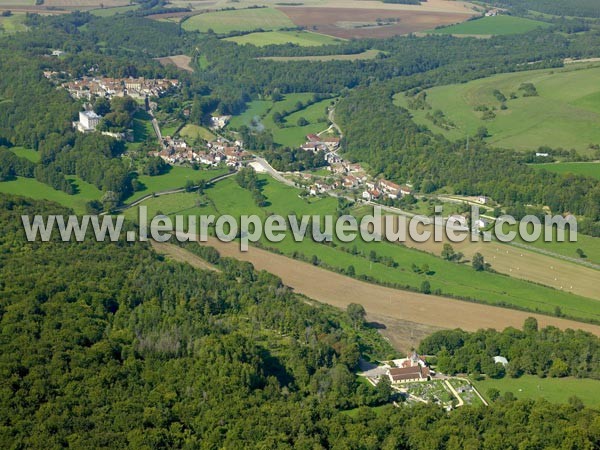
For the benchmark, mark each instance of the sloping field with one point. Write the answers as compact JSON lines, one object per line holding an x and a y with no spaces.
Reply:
{"x":349,"y":22}
{"x":492,"y":26}
{"x":591,"y":169}
{"x":180,"y":61}
{"x":13,"y":23}
{"x":564,"y":113}
{"x":301,"y":38}
{"x":238,"y":20}
{"x":340,"y":291}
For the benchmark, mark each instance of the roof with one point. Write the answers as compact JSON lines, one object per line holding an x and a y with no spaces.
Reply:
{"x":500,"y":359}
{"x":408,"y":373}
{"x":91,"y":115}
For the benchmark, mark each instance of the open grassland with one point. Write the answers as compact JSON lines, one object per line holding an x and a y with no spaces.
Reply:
{"x":292,"y":134}
{"x":492,"y":26}
{"x":450,"y":278}
{"x":259,"y":115}
{"x":301,"y":38}
{"x":192,"y":131}
{"x":177,"y":177}
{"x":27,"y":153}
{"x":591,"y":169}
{"x":13,"y":23}
{"x":238,"y":20}
{"x":255,"y":111}
{"x":29,"y":187}
{"x":565,"y":113}
{"x":556,"y":390}
{"x":367,"y":54}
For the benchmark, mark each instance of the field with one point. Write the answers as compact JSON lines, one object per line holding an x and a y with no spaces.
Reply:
{"x":564,"y":114}
{"x":180,"y":61}
{"x":177,"y":177}
{"x":530,"y":265}
{"x":142,"y":129}
{"x":260,"y":115}
{"x":556,"y":390}
{"x":586,"y":169}
{"x":84,"y":4}
{"x":492,"y":26}
{"x":450,"y":278}
{"x":29,"y":187}
{"x":254,"y":112}
{"x":367,"y":54}
{"x":27,"y":153}
{"x":301,"y":38}
{"x":348,"y":22}
{"x":238,"y":20}
{"x":13,"y":23}
{"x":191,"y":131}
{"x":339,"y":291}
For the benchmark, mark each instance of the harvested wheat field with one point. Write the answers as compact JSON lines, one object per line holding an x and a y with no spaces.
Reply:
{"x":338,"y":290}
{"x":351,"y":22}
{"x":180,"y":61}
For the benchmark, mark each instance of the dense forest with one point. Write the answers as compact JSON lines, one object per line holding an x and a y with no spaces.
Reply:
{"x":108,"y":345}
{"x":543,"y":352}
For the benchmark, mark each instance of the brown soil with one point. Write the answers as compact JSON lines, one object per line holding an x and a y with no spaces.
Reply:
{"x":338,"y":21}
{"x":180,"y":61}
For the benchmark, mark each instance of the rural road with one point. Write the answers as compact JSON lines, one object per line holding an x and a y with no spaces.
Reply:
{"x":338,"y":290}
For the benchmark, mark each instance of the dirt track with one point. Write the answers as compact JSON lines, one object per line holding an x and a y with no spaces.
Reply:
{"x":338,"y":290}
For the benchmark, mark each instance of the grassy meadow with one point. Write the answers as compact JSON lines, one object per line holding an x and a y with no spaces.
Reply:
{"x":556,"y":390}
{"x":238,"y":20}
{"x":301,"y":38}
{"x":491,"y":26}
{"x":27,"y":153}
{"x":565,"y":113}
{"x":12,"y":23}
{"x":32,"y":188}
{"x":191,"y":131}
{"x":177,"y":177}
{"x":591,"y":169}
{"x":260,"y":114}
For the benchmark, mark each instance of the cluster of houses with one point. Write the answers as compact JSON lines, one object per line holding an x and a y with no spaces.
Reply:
{"x":316,"y":143}
{"x":220,"y":151}
{"x":91,"y":87}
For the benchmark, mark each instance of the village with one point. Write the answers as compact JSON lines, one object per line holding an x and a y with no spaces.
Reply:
{"x":338,"y":177}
